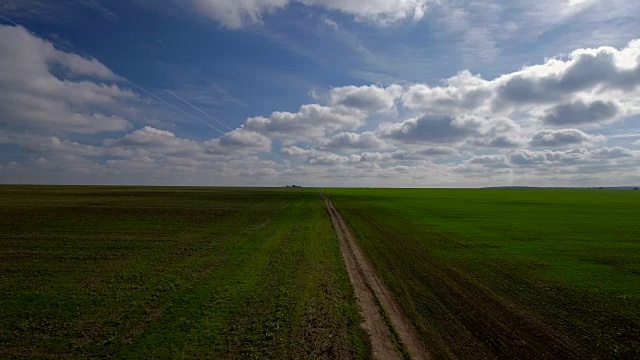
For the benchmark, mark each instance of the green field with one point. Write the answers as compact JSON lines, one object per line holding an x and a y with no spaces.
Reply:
{"x":139,"y":272}
{"x":172,"y":273}
{"x":508,"y":273}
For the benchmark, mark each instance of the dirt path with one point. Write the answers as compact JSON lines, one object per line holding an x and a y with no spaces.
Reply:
{"x":374,"y":299}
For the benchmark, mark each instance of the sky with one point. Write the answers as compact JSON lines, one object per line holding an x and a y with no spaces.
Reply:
{"x":382,"y":93}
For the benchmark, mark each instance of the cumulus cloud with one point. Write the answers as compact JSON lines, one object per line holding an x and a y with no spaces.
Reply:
{"x":348,"y":108}
{"x":579,"y":112}
{"x":323,"y":157}
{"x":371,"y":99}
{"x":327,"y":158}
{"x":239,"y":141}
{"x":488,"y":161}
{"x":153,"y":142}
{"x":528,"y":122}
{"x":55,"y":145}
{"x":527,"y":157}
{"x":604,"y":68}
{"x":235,"y":14}
{"x":501,"y":141}
{"x":437,"y":150}
{"x":333,"y":159}
{"x":614,"y":153}
{"x":564,"y":137}
{"x":579,"y":88}
{"x":298,"y":151}
{"x":460,"y":93}
{"x":432,"y":128}
{"x":570,"y":157}
{"x":33,"y":96}
{"x":449,"y":129}
{"x":349,"y":140}
{"x":311,"y":122}
{"x":149,"y":140}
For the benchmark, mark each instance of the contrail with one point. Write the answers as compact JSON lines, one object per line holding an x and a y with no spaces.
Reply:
{"x":195,"y":107}
{"x":44,"y":38}
{"x":211,"y":117}
{"x":219,"y":122}
{"x":175,"y":107}
{"x":216,"y":120}
{"x":9,"y":20}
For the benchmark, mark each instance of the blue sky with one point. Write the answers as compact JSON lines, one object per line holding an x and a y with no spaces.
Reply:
{"x":320,"y":92}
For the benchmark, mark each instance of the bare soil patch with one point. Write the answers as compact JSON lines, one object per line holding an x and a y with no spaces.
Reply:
{"x":382,"y":316}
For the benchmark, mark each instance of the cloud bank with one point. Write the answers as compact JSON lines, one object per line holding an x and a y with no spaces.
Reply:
{"x":546,"y":124}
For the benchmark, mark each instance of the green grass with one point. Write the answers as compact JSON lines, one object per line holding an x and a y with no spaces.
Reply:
{"x":508,"y":273}
{"x":129,"y":272}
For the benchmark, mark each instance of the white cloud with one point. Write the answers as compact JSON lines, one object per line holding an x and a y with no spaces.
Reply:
{"x":571,"y":156}
{"x":235,"y":14}
{"x":460,"y":93}
{"x":450,"y":129}
{"x":333,"y":159}
{"x":587,"y":86}
{"x":298,"y":151}
{"x":433,"y":129}
{"x":437,"y":151}
{"x":55,"y":145}
{"x":579,"y":112}
{"x":564,"y":137}
{"x":466,"y":115}
{"x":153,"y":141}
{"x":239,"y":141}
{"x":33,"y":96}
{"x":331,"y":24}
{"x":349,"y":140}
{"x":487,"y":161}
{"x":312,"y":122}
{"x":348,"y":108}
{"x":614,"y":153}
{"x":371,"y":99}
{"x":410,"y":135}
{"x":590,"y":71}
{"x":506,"y":140}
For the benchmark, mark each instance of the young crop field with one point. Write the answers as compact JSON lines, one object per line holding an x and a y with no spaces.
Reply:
{"x":139,"y":272}
{"x":507,"y":273}
{"x":127,"y":272}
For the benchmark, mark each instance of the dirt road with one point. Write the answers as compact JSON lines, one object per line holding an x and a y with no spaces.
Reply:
{"x":389,"y":329}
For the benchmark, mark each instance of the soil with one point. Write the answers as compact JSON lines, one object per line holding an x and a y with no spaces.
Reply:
{"x":383,"y":318}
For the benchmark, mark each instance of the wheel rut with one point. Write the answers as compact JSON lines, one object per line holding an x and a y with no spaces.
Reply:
{"x":389,"y":330}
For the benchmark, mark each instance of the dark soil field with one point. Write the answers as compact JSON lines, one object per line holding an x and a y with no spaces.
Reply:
{"x":507,"y":273}
{"x":96,"y":272}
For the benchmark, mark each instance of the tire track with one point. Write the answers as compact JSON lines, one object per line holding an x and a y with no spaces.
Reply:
{"x":376,"y":304}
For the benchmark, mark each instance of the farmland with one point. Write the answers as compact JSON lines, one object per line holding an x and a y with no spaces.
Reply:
{"x":152,"y":272}
{"x":132,"y":272}
{"x":507,"y":273}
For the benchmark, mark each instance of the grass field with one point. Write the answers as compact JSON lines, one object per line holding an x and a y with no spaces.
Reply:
{"x":508,"y":273}
{"x":172,"y":273}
